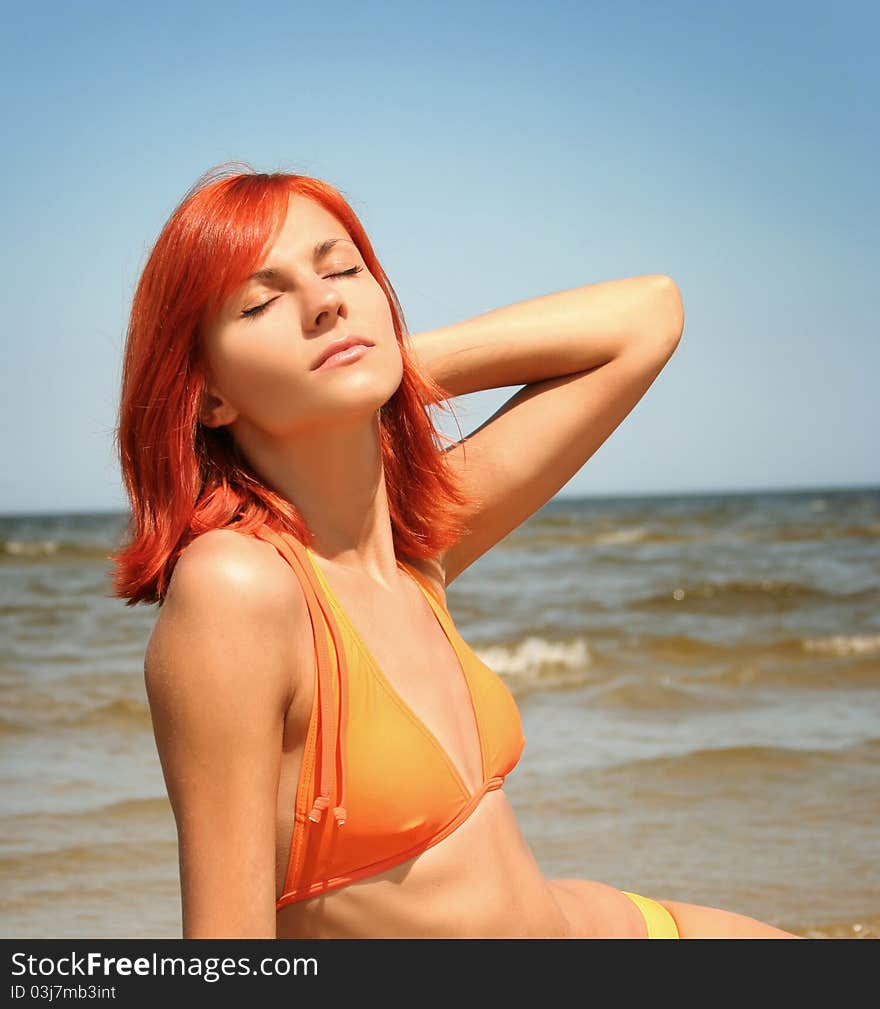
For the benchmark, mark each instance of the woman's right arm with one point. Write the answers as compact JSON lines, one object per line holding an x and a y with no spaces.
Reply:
{"x":219,"y":682}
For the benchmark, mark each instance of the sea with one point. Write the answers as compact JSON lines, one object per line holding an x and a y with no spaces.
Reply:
{"x":698,"y":677}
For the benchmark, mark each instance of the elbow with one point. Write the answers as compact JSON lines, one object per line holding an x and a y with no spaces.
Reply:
{"x":676,"y":311}
{"x":672,"y":311}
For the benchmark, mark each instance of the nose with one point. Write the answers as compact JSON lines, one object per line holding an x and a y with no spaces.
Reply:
{"x":322,"y":303}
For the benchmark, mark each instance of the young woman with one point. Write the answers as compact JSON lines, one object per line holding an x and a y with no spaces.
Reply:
{"x":334,"y":752}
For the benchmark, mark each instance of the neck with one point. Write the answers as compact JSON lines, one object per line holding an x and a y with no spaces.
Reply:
{"x":335,"y":478}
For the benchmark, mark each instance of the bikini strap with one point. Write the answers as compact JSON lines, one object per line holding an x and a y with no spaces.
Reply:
{"x":332,"y":721}
{"x":426,"y":584}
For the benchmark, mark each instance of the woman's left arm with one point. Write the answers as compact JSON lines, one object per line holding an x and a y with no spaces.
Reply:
{"x":586,"y":357}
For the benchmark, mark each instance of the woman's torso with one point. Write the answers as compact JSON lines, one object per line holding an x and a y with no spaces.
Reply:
{"x":482,"y":879}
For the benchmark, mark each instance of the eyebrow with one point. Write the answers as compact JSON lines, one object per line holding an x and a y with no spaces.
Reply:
{"x":319,"y":251}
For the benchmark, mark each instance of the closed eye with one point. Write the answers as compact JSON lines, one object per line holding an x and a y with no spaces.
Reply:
{"x":250,"y":313}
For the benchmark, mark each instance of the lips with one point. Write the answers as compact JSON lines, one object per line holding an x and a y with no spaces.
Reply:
{"x":341,"y":344}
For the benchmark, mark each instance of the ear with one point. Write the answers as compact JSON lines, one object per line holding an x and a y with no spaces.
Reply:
{"x":214,"y":411}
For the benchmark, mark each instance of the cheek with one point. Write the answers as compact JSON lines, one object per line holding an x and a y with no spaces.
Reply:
{"x":382,"y":325}
{"x":257,"y":371}
{"x":378,"y":308}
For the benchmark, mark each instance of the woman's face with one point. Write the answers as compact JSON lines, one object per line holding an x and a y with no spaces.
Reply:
{"x":263,"y":346}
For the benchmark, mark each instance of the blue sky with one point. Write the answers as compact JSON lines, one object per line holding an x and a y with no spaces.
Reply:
{"x":494,"y":152}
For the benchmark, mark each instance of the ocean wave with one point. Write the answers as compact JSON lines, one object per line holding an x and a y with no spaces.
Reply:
{"x":709,"y":763}
{"x":576,"y":536}
{"x":865,"y":928}
{"x":843,"y":644}
{"x":122,"y":810}
{"x":624,"y":537}
{"x":18,"y":550}
{"x":133,"y":809}
{"x":738,"y":595}
{"x":580,"y":538}
{"x":843,"y":674}
{"x":122,"y":713}
{"x":29,"y":548}
{"x":840,"y":660}
{"x":684,"y":647}
{"x":656,"y":694}
{"x":75,"y":858}
{"x":854,"y":531}
{"x":538,"y":664}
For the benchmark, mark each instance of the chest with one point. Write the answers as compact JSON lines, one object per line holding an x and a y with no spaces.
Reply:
{"x":405,"y":647}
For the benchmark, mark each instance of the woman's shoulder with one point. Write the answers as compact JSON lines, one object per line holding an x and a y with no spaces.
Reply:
{"x":226,"y":561}
{"x":237,"y":585}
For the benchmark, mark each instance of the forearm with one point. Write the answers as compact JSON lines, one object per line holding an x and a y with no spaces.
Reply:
{"x":551,"y":335}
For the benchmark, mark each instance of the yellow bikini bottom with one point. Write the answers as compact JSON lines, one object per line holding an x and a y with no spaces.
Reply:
{"x":661,"y":924}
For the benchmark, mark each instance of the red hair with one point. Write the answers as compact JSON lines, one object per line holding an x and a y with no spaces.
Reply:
{"x":183,"y":478}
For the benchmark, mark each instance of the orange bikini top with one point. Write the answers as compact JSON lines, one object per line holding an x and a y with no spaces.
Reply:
{"x":375,"y":786}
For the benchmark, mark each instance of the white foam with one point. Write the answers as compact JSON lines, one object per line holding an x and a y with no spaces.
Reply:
{"x":844,"y":644}
{"x":618,"y":536}
{"x":537,"y":661}
{"x":31,"y":548}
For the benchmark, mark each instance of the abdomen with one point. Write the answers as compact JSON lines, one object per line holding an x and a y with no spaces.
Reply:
{"x":481,"y":881}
